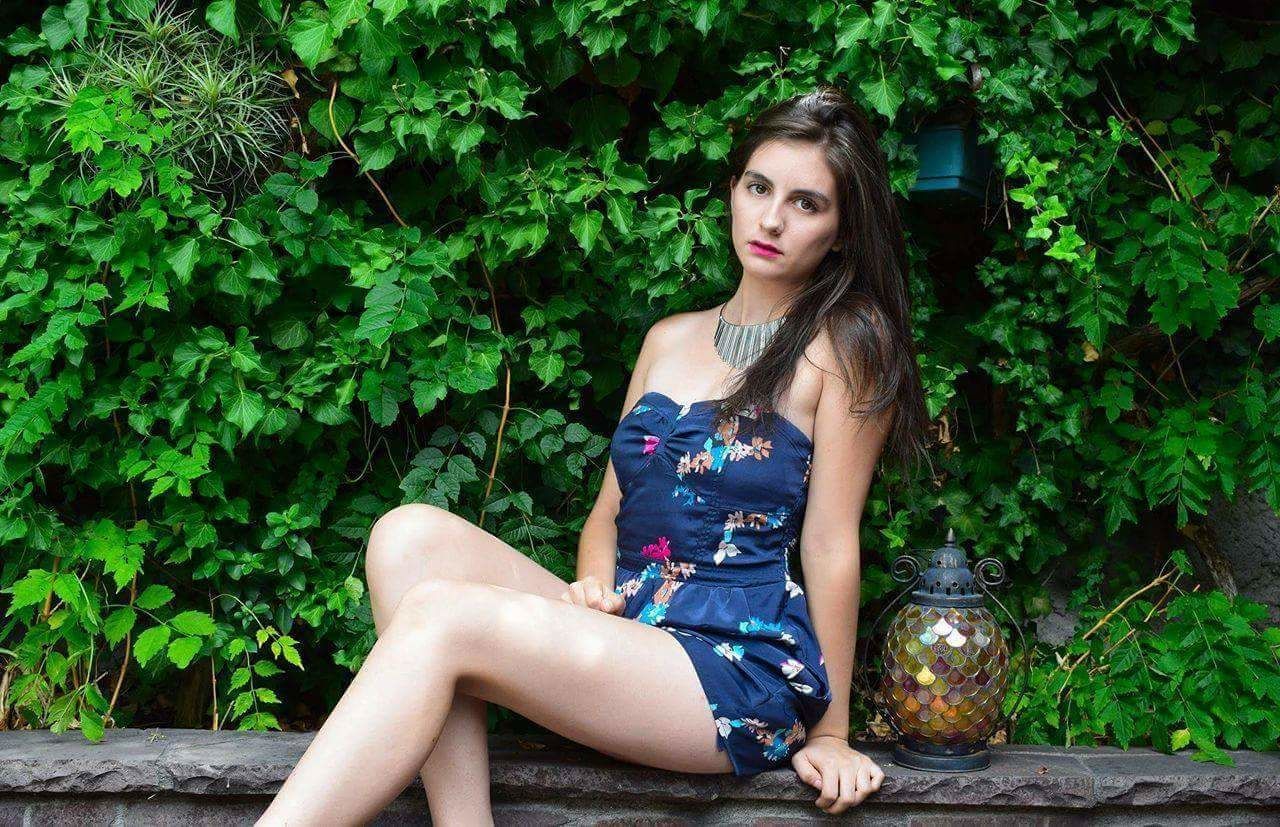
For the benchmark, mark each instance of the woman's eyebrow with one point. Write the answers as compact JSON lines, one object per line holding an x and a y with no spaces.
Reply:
{"x":814,"y":194}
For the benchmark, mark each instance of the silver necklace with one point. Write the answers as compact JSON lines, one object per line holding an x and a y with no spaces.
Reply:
{"x":741,"y":344}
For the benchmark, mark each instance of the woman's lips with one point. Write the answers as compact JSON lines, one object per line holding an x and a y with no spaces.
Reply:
{"x":761,"y":250}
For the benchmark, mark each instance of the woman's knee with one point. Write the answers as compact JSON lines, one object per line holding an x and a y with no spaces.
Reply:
{"x":425,"y":605}
{"x":405,"y":537}
{"x":447,"y":610}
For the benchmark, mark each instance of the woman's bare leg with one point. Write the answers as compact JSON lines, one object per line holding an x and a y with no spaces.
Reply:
{"x":415,"y":542}
{"x":624,"y":688}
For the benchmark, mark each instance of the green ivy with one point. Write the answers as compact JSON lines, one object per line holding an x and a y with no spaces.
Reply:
{"x":208,"y":399}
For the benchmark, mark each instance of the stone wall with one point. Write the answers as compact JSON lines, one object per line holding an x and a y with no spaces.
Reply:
{"x":192,"y":776}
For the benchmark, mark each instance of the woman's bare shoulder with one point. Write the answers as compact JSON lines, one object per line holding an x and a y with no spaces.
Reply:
{"x":677,"y":328}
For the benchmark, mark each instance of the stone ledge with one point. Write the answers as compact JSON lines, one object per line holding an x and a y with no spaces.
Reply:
{"x":239,"y":770}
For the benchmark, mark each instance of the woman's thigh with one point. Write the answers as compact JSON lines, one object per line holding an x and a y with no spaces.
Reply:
{"x":416,"y":541}
{"x":623,"y":688}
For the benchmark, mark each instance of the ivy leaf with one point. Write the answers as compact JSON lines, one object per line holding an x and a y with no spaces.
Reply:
{"x":221,"y":15}
{"x":467,"y":138}
{"x":344,"y":13}
{"x":855,"y":25}
{"x":924,"y":33}
{"x":271,"y":9}
{"x":586,"y":227}
{"x":312,"y":40}
{"x":390,"y":9}
{"x":375,"y":152}
{"x":1266,"y":319}
{"x":344,"y":115}
{"x":1068,"y":242}
{"x":885,"y":95}
{"x":138,"y":9}
{"x":1064,"y":20}
{"x":55,"y":28}
{"x":246,"y":409}
{"x":548,"y":365}
{"x":704,"y":14}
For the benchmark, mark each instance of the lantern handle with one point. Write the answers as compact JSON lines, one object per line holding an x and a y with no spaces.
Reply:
{"x":981,"y":580}
{"x":905,"y":569}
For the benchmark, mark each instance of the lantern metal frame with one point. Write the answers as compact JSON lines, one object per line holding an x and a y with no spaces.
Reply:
{"x":988,"y":573}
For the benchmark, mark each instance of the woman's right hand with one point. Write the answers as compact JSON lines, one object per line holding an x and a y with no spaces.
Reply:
{"x":591,"y":593}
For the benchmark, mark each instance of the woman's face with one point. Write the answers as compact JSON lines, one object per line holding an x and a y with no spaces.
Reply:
{"x":785,"y":198}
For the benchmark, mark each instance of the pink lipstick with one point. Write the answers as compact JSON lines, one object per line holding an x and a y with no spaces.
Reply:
{"x":760,"y":248}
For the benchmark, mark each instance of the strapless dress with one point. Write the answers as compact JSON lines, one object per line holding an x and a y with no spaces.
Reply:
{"x":708,"y":519}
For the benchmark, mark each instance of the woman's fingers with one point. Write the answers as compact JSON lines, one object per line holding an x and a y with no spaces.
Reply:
{"x":830,"y":786}
{"x":864,"y":781}
{"x":592,"y":594}
{"x":877,"y":777}
{"x":850,"y":792}
{"x":807,"y":772}
{"x":595,"y":594}
{"x":842,"y":785}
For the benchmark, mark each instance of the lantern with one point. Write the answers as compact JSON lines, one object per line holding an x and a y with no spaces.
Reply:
{"x":946,"y":664}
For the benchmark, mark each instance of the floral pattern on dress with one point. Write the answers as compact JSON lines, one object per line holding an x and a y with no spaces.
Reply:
{"x":777,"y":741}
{"x":686,"y":495}
{"x":755,"y":624}
{"x":739,"y":519}
{"x":724,"y":446}
{"x":672,"y":573}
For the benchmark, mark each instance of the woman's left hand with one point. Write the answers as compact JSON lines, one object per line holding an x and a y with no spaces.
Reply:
{"x":844,"y":776}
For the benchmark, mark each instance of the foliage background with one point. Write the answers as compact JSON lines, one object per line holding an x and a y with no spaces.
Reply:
{"x":208,"y":398}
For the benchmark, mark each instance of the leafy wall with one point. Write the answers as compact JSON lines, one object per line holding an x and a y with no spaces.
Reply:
{"x":269,"y":272}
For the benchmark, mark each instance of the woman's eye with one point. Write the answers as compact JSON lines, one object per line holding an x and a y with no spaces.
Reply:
{"x":813,"y":207}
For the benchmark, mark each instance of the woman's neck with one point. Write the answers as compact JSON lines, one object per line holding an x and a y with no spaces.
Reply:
{"x":756,"y":301}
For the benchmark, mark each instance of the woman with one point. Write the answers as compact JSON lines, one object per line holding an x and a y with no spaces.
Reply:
{"x":732,"y":667}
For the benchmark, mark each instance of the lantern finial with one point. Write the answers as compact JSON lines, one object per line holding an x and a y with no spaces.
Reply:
{"x":951,"y":536}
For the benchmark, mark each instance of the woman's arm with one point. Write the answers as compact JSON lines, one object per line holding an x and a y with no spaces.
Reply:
{"x":597,"y":547}
{"x":846,"y":449}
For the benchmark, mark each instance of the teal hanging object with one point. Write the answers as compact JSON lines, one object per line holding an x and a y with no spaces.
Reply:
{"x":954,"y":167}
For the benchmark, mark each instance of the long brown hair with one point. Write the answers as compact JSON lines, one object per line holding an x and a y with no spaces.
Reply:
{"x":859,"y":293}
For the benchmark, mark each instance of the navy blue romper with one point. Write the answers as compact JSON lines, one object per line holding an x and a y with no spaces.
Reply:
{"x":707,"y":520}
